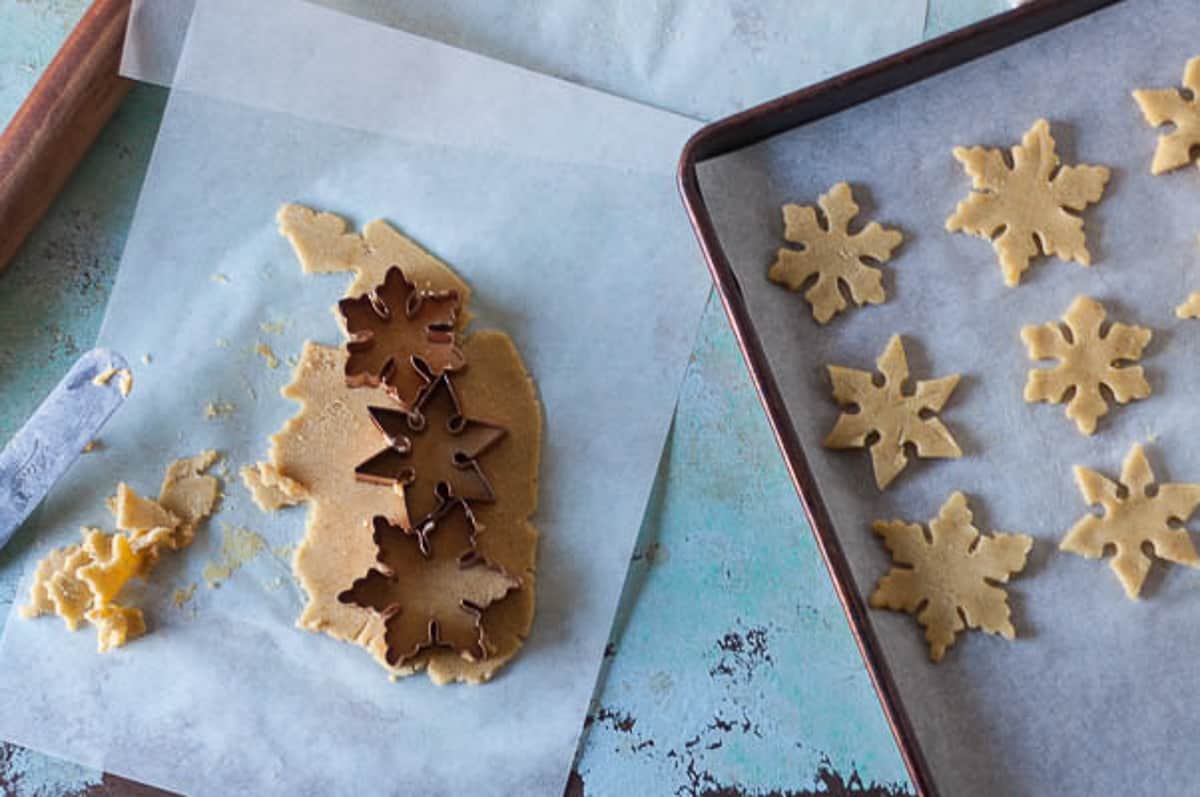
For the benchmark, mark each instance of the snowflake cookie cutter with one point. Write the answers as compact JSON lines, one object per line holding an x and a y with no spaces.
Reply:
{"x":433,"y":451}
{"x":400,"y":337}
{"x":433,"y":596}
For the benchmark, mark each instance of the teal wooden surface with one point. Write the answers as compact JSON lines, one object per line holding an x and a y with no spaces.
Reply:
{"x":731,"y":668}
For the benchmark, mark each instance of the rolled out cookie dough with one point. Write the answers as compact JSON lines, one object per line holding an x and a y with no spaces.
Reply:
{"x":318,"y":449}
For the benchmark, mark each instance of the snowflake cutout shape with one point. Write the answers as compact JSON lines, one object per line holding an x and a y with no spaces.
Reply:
{"x":948,"y":577}
{"x":1137,"y":514}
{"x":400,"y":337}
{"x":887,"y":419}
{"x":1091,"y":356}
{"x":831,"y":254}
{"x":431,"y":596}
{"x":433,"y":450}
{"x":1028,"y":204}
{"x":1170,"y":106}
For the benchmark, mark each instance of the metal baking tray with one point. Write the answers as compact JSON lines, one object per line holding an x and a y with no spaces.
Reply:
{"x":795,"y":111}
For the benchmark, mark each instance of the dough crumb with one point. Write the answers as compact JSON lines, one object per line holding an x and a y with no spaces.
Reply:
{"x":264,"y":351}
{"x":124,"y":379}
{"x":133,"y":513}
{"x":83,"y":581}
{"x":1190,"y":308}
{"x":104,"y":376}
{"x":220,"y":278}
{"x":273,"y":327}
{"x":92,"y":445}
{"x":116,"y":625}
{"x":222,"y":343}
{"x":183,"y":596}
{"x":218,"y":409}
{"x":271,"y":488}
{"x":239,"y":546}
{"x":146,"y":358}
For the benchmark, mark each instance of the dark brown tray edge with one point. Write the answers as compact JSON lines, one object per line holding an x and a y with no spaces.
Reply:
{"x":768,"y":119}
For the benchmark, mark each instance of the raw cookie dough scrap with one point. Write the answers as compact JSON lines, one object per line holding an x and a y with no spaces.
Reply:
{"x":1091,"y":354}
{"x":886,"y":418}
{"x":1170,"y":106}
{"x":948,"y":576}
{"x":837,"y":259}
{"x":1027,"y":204}
{"x":1138,"y":517}
{"x":420,"y":473}
{"x":83,"y":582}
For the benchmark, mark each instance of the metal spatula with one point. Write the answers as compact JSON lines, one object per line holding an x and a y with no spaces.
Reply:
{"x":54,"y":437}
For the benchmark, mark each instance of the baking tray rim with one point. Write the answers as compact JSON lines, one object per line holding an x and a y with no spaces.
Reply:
{"x":756,"y":124}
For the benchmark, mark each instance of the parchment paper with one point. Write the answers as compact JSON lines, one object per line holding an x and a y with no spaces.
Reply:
{"x":705,"y":58}
{"x":1098,"y":693}
{"x":557,"y":204}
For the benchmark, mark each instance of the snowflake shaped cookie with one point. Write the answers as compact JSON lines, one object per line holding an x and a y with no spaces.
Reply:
{"x":947,"y":577}
{"x":890,"y":417}
{"x":1090,"y":356}
{"x":1142,"y":513}
{"x":1027,"y":205}
{"x":1169,"y":106}
{"x":832,"y":254}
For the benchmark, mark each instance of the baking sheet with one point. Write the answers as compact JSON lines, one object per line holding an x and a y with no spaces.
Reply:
{"x":705,"y":59}
{"x":1096,"y":696}
{"x":574,"y":245}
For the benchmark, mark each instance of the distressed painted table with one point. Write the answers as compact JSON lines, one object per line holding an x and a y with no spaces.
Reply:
{"x":731,"y":669}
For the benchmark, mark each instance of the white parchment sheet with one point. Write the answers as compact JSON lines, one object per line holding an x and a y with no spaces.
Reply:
{"x":1098,"y":694}
{"x":704,"y":58}
{"x":557,"y":204}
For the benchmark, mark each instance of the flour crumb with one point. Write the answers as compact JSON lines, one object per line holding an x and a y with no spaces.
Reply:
{"x":264,"y":351}
{"x":239,"y":546}
{"x":183,"y":596}
{"x":146,"y":359}
{"x":222,"y":343}
{"x":218,"y":409}
{"x":220,"y":278}
{"x":273,"y":327}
